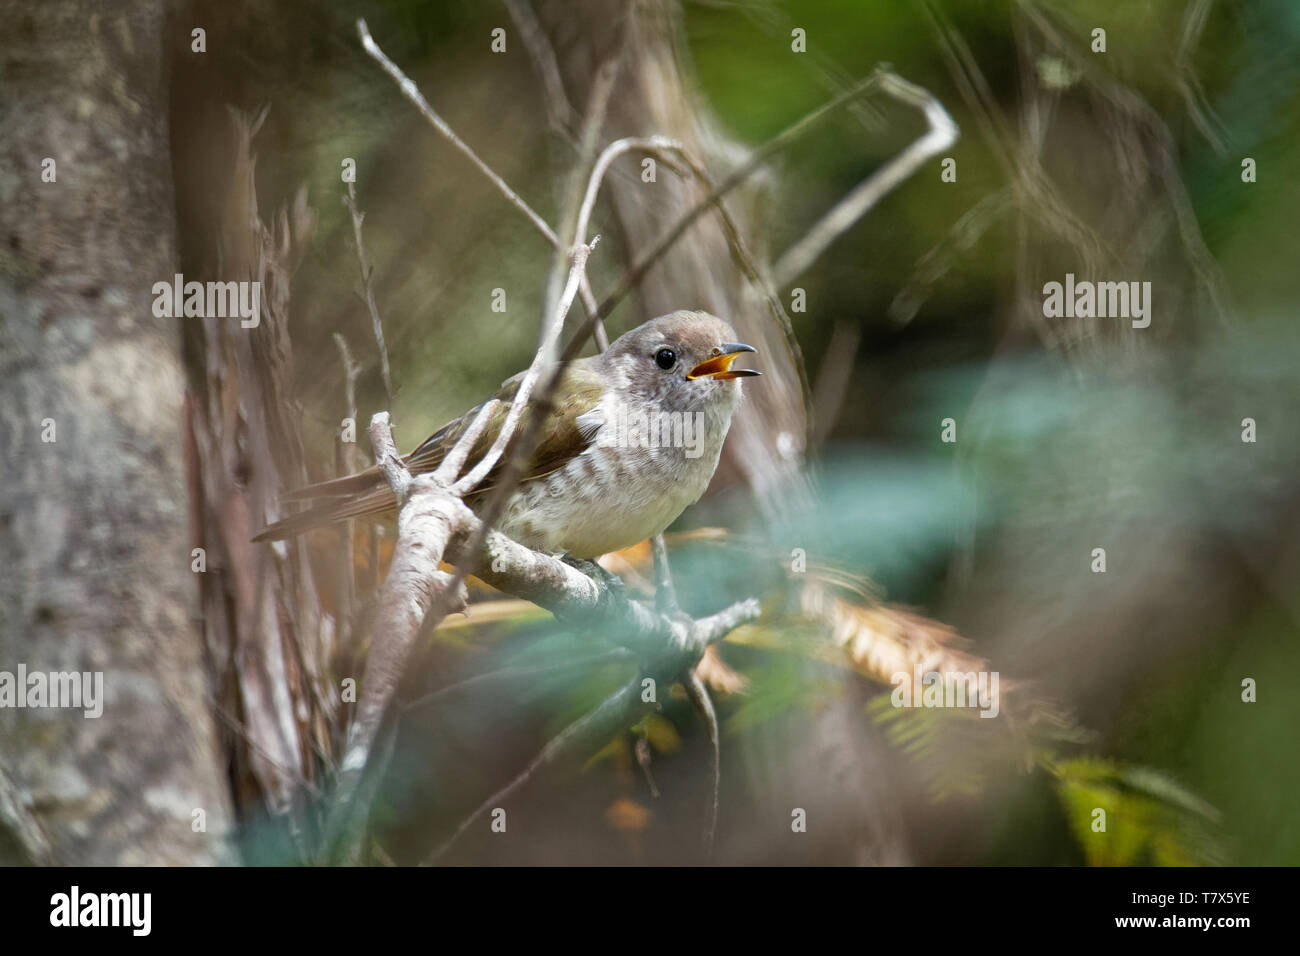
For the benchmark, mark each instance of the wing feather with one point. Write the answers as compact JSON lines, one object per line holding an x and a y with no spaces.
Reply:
{"x":571,"y":426}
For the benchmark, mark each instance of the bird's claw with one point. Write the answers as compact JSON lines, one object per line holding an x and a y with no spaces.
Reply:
{"x":610,"y":584}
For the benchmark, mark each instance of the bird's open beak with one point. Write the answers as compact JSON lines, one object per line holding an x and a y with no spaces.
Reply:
{"x":719,"y":364}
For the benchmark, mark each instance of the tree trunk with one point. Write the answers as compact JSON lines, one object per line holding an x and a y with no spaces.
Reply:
{"x":94,"y":542}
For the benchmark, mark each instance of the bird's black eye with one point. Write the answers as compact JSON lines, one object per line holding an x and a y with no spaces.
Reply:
{"x":665,"y":358}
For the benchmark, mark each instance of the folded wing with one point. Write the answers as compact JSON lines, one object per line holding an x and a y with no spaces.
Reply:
{"x":564,"y":437}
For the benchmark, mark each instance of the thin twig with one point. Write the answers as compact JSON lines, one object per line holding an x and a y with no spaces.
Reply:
{"x":389,"y":459}
{"x":507,"y":673}
{"x":612,"y":713}
{"x":1202,"y":113}
{"x":834,"y":376}
{"x":602,"y":87}
{"x":367,"y":287}
{"x":449,"y":468}
{"x":412,"y":93}
{"x":1207,"y":269}
{"x":347,"y":465}
{"x":676,"y":653}
{"x":552,"y":326}
{"x":559,"y":111}
{"x":1035,"y":195}
{"x":699,"y":696}
{"x":545,"y":356}
{"x":239,"y":728}
{"x":665,"y":595}
{"x":665,"y":592}
{"x":943,"y":133}
{"x":642,"y":751}
{"x":940,"y":258}
{"x":637,"y":271}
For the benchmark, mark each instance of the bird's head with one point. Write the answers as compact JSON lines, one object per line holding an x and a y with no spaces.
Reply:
{"x":681,"y":361}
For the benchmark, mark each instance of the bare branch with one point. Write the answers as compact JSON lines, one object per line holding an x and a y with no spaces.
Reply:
{"x":559,"y":111}
{"x":388,"y":459}
{"x":834,"y":376}
{"x":546,"y":350}
{"x":346,"y":464}
{"x":367,"y":287}
{"x":642,"y":751}
{"x":1035,"y":194}
{"x":678,"y":655}
{"x":665,"y":593}
{"x":1189,"y":84}
{"x":351,"y":369}
{"x":939,"y":259}
{"x":637,"y":271}
{"x":450,"y":467}
{"x":602,"y":87}
{"x":510,"y":673}
{"x":571,"y":595}
{"x":615,"y":712}
{"x":1207,"y":269}
{"x":699,"y":696}
{"x":714,"y":628}
{"x":607,"y":156}
{"x":416,"y":595}
{"x":943,"y":133}
{"x":412,"y":93}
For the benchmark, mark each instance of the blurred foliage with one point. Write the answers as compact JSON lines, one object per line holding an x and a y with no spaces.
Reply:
{"x":1149,"y":819}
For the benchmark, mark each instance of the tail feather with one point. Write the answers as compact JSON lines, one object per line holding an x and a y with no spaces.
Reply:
{"x":377,"y":502}
{"x":337,"y":487}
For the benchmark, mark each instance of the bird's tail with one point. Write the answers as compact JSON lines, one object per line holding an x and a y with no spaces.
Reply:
{"x":345,"y":487}
{"x":352,"y":497}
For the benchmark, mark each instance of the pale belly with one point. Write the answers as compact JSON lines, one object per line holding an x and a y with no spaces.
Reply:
{"x":607,"y":499}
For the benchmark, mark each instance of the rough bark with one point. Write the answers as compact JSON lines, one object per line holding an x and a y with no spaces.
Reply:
{"x":94,"y":541}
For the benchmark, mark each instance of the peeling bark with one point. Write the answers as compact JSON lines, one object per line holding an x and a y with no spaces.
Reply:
{"x":268,"y":639}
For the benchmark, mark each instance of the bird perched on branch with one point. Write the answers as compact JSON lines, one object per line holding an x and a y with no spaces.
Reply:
{"x":631,"y":438}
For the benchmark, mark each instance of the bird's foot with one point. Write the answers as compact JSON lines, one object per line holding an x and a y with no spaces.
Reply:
{"x":609,"y":582}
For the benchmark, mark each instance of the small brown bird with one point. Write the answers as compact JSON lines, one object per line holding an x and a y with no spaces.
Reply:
{"x":633,"y":438}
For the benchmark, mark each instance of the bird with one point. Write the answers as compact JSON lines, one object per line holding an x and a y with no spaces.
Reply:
{"x":632,"y":438}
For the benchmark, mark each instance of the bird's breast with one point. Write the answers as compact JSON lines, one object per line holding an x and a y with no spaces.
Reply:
{"x":613,"y":495}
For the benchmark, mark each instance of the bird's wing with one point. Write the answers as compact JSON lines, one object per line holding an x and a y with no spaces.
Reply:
{"x":571,"y":426}
{"x":563,"y":435}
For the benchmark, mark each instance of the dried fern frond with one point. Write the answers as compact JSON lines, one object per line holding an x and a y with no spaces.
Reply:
{"x":882,"y":640}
